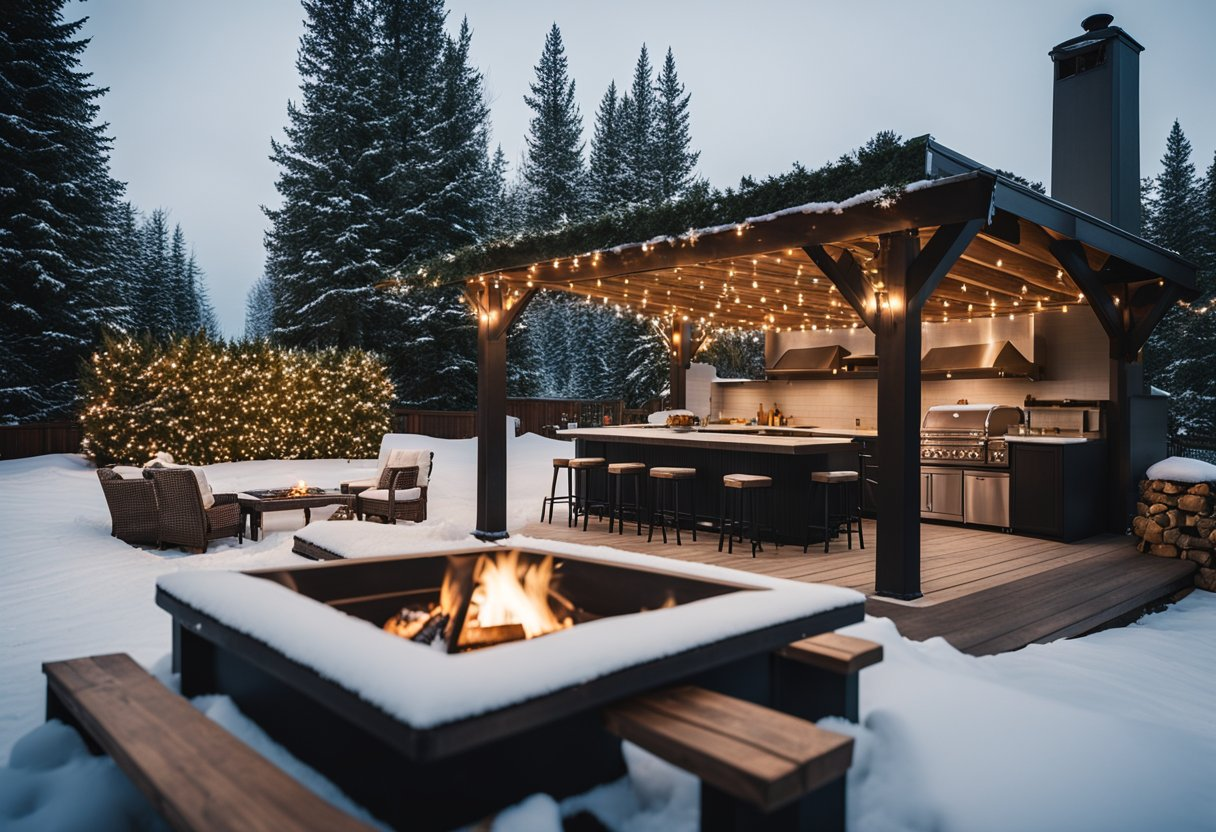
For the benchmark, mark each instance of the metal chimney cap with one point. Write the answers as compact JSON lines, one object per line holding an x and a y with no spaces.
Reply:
{"x":1097,"y":21}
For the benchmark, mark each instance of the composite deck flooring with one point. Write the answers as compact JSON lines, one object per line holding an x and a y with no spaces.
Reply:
{"x":984,"y":592}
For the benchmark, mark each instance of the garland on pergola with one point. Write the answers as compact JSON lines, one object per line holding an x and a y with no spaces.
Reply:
{"x":885,"y":167}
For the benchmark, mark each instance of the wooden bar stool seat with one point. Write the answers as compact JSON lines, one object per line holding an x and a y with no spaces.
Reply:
{"x":582,"y":466}
{"x":668,"y":473}
{"x":834,"y":476}
{"x":847,"y":486}
{"x":618,"y":471}
{"x":731,"y":520}
{"x":560,"y":463}
{"x":665,"y":480}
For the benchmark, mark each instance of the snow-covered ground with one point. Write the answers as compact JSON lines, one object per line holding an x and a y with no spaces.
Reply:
{"x":1104,"y":733}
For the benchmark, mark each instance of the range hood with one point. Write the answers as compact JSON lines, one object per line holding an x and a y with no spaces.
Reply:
{"x":808,"y":362}
{"x":999,"y":359}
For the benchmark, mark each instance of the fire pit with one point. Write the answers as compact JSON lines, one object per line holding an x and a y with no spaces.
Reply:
{"x":504,"y":700}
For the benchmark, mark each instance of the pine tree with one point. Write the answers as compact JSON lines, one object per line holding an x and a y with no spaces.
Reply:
{"x":157,"y":311}
{"x":58,"y":204}
{"x":1178,"y":356}
{"x":553,"y":167}
{"x":674,"y":160}
{"x":259,"y":310}
{"x":322,"y":243}
{"x":186,"y":309}
{"x":640,"y":162}
{"x":607,"y":182}
{"x":206,"y":319}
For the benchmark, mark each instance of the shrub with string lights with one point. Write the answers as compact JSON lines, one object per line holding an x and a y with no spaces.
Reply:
{"x":208,"y":402}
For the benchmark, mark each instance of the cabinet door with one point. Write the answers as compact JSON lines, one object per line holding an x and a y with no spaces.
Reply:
{"x":926,"y":496}
{"x":1036,"y":502}
{"x":947,"y":491}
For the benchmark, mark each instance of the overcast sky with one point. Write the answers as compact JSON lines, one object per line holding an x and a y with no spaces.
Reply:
{"x":197,"y":89}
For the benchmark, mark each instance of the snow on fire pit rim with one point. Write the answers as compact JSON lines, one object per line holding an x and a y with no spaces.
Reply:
{"x":425,"y":687}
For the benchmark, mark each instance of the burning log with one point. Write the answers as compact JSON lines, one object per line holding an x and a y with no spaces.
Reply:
{"x":475,"y":637}
{"x":407,"y":623}
{"x":433,"y":627}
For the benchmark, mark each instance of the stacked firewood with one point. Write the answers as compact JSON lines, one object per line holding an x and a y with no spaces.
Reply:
{"x":1177,"y":520}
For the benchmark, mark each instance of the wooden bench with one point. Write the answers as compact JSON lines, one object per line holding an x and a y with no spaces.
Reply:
{"x":196,"y":774}
{"x":760,"y":769}
{"x":818,"y":676}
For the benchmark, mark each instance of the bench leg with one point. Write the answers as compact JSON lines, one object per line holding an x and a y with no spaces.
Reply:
{"x":822,"y":811}
{"x":811,"y":693}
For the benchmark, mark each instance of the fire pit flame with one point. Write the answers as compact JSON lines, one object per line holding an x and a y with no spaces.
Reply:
{"x":300,"y":489}
{"x":505,"y":597}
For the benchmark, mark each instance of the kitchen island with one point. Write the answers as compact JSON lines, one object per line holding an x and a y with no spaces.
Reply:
{"x":789,"y":460}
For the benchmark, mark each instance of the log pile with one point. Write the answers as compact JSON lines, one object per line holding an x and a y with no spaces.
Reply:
{"x":1178,"y":520}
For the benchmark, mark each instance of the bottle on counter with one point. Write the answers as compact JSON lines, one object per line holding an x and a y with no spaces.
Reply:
{"x":774,"y":416}
{"x":761,"y":415}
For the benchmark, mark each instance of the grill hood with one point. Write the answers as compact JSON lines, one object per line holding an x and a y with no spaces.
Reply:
{"x":999,"y":359}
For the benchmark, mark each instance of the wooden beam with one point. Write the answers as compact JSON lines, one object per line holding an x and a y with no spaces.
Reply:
{"x":1071,"y":255}
{"x":936,"y":259}
{"x":1143,"y":327}
{"x":849,"y":280}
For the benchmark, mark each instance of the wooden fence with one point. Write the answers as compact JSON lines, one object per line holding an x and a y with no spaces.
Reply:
{"x":37,"y":438}
{"x":539,"y":416}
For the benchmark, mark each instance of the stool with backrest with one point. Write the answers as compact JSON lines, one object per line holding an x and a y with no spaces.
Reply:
{"x":582,"y":467}
{"x":560,"y":463}
{"x":664,"y":482}
{"x":845,"y":485}
{"x":617,"y":473}
{"x":740,"y":491}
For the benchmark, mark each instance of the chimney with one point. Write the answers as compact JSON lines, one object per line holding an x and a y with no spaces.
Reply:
{"x":1095,"y":130}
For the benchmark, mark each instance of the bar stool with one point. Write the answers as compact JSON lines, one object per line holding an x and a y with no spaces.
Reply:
{"x":734,"y":486}
{"x":553,"y":499}
{"x":846,"y":484}
{"x":583,"y":466}
{"x":616,"y":508}
{"x":658,"y":500}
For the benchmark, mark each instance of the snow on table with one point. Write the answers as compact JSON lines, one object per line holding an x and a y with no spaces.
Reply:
{"x":425,"y":688}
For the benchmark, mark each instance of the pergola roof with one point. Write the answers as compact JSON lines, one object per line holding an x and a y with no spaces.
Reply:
{"x":757,"y":273}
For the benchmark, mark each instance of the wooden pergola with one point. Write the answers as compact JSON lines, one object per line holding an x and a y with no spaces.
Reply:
{"x":965,"y":243}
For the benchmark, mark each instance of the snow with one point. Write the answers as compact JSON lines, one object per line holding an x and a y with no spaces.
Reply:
{"x":1108,"y":732}
{"x":1182,"y":469}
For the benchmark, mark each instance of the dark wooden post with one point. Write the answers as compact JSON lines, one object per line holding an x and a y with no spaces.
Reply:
{"x":681,"y":347}
{"x":497,"y":308}
{"x":889,"y":302}
{"x":897,"y":343}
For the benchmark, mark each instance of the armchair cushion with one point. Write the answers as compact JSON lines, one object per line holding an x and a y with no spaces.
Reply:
{"x":402,"y":495}
{"x":404,"y":458}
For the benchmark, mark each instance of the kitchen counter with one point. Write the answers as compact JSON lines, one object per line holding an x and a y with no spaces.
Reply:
{"x":1047,"y":439}
{"x":717,"y":440}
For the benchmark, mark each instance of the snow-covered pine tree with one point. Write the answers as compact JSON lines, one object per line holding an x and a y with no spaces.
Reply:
{"x":259,"y":310}
{"x":607,"y":185}
{"x":553,"y":167}
{"x":640,"y":161}
{"x":58,"y":204}
{"x":324,"y":241}
{"x":674,"y":159}
{"x":126,"y":264}
{"x":1173,"y":220}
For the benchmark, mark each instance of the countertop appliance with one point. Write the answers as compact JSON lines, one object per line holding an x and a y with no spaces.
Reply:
{"x":970,"y":435}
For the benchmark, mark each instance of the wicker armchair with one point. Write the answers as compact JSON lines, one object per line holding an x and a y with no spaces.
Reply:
{"x":132,"y":508}
{"x":183,"y":520}
{"x":397,"y":497}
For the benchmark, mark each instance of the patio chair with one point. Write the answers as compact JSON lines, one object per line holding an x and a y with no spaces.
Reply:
{"x":184,"y":519}
{"x":132,"y":504}
{"x":401,"y":492}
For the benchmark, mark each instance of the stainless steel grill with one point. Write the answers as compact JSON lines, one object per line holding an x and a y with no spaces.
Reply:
{"x":968,"y":435}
